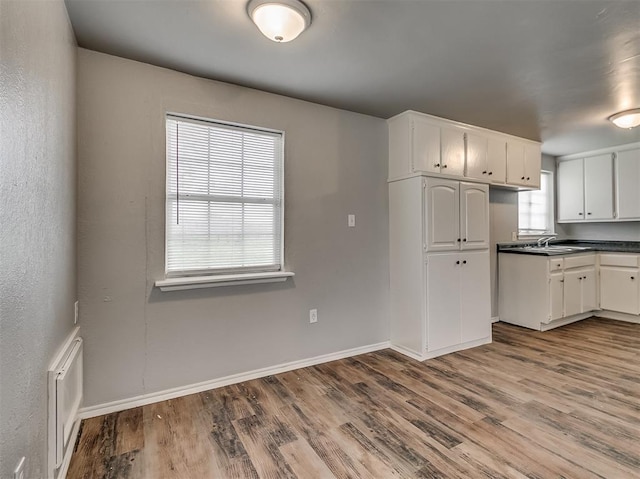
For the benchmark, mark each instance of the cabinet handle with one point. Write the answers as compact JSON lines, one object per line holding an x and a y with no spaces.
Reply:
{"x":588,"y":213}
{"x":484,"y":172}
{"x":437,"y":165}
{"x":457,"y":262}
{"x":444,"y":166}
{"x":464,"y":262}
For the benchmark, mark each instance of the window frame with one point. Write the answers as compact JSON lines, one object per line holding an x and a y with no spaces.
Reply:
{"x":224,"y":276}
{"x":551,"y":219}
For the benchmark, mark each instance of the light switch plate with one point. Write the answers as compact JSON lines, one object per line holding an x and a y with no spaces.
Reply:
{"x":351,"y":221}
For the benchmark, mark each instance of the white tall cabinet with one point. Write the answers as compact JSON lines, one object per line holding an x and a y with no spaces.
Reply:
{"x":439,"y":263}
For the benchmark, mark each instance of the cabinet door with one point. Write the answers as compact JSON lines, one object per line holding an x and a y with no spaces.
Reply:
{"x":570,"y":190}
{"x":532,"y":165}
{"x":476,"y":157}
{"x":474,"y":215}
{"x":589,"y":290}
{"x":442,"y":207}
{"x":598,"y":187}
{"x":475,"y":296}
{"x":425,"y":146}
{"x":556,"y":285}
{"x":497,"y":160}
{"x":515,"y":163}
{"x":619,"y":289}
{"x":443,"y":301}
{"x":572,"y":292}
{"x":452,"y":151}
{"x":627,"y":181}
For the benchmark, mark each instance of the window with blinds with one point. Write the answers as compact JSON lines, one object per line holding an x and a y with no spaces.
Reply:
{"x":535,"y":208}
{"x":224,"y":198}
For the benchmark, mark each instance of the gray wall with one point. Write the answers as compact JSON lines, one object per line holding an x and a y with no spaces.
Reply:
{"x":37,"y":218}
{"x":140,"y":340}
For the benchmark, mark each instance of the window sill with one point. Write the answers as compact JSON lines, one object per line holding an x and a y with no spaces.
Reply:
{"x":198,"y":282}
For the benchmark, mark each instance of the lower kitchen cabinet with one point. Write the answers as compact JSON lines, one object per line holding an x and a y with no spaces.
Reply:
{"x":541,"y":292}
{"x":619,"y":290}
{"x":458,"y":299}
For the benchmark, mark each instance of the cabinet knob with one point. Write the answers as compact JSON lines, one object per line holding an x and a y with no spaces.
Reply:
{"x":522,"y":178}
{"x":589,"y":213}
{"x":458,"y":240}
{"x":562,"y":280}
{"x":464,"y":262}
{"x":490,"y":173}
{"x":437,"y":165}
{"x":580,"y":278}
{"x":457,"y":262}
{"x":632,"y":278}
{"x":444,"y":166}
{"x":465,"y":240}
{"x":559,"y":265}
{"x":580,"y":214}
{"x":484,"y":172}
{"x":528,"y":178}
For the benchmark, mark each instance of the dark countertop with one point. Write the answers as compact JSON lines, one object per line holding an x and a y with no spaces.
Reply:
{"x":585,"y":246}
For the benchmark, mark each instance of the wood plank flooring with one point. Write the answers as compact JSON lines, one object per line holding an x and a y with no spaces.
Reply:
{"x":559,"y":404}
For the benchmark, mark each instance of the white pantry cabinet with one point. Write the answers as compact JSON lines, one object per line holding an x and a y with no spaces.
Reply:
{"x":585,"y":189}
{"x":457,"y":215}
{"x":440,"y":298}
{"x":424,"y":144}
{"x":542,"y":292}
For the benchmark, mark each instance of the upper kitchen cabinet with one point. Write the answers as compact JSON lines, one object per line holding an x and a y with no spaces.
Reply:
{"x":627,"y":182}
{"x":524,"y":160}
{"x":599,"y":186}
{"x":585,"y":189}
{"x":421,"y":144}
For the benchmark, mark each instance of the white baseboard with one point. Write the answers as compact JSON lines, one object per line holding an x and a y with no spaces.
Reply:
{"x":630,"y":318}
{"x":144,"y":399}
{"x":407,"y":352}
{"x":495,"y":319}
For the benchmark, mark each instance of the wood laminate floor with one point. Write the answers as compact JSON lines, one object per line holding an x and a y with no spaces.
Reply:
{"x":564,"y":403}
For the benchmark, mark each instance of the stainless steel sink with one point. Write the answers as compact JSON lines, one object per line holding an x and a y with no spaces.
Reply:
{"x":554,"y":249}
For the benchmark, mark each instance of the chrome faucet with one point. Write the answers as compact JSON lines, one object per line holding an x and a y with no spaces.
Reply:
{"x":545,"y":241}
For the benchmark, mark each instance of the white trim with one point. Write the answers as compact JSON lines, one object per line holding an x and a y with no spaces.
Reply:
{"x":144,"y":399}
{"x":457,"y":347}
{"x":565,"y":321}
{"x":495,"y":319}
{"x":197,"y":282}
{"x":407,"y":352}
{"x":66,"y":460}
{"x":606,"y":314}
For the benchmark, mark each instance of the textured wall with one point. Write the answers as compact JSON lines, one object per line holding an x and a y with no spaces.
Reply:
{"x":37,"y":218}
{"x":140,"y":340}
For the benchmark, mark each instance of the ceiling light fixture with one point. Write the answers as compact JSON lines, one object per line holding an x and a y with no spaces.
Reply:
{"x":626,"y":119}
{"x":280,"y":20}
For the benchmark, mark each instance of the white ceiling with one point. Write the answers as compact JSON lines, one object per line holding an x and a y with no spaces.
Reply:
{"x":550,"y":70}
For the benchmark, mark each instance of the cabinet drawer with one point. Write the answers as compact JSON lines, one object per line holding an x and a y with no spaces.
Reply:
{"x":628,"y":260}
{"x":579,"y":261}
{"x":556,"y":264}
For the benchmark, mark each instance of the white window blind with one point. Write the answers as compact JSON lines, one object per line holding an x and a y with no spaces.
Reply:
{"x":535,"y":208}
{"x":224,"y":198}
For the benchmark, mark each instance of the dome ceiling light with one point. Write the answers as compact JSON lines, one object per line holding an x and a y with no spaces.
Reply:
{"x":626,"y":119}
{"x":279,"y":20}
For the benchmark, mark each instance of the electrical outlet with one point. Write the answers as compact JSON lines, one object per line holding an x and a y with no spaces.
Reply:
{"x":351,"y":221}
{"x":313,"y":315}
{"x":18,"y":472}
{"x":514,"y":236}
{"x":75,"y":312}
